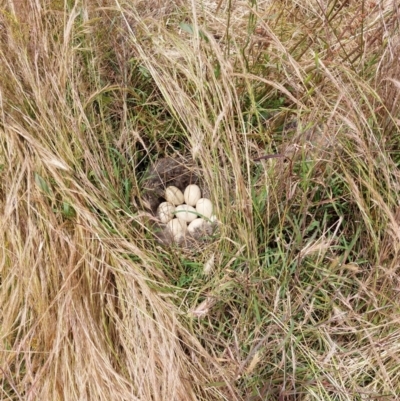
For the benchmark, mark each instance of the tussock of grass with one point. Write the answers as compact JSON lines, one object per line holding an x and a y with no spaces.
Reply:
{"x":296,"y":297}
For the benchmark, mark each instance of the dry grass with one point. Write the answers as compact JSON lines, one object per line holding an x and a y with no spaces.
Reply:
{"x":298,"y":296}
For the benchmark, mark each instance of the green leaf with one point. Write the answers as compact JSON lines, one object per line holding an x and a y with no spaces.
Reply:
{"x":186,"y":27}
{"x":189,"y":29}
{"x":68,"y":210}
{"x":42,"y":184}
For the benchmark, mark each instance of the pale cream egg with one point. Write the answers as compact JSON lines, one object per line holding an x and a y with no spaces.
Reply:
{"x":165,"y":212}
{"x":177,"y":228}
{"x":196,"y":226}
{"x":204,"y":207}
{"x":192,"y":194}
{"x":186,"y":213}
{"x":174,"y":195}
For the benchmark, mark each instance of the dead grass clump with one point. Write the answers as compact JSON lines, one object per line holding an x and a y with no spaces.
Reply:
{"x":294,"y":304}
{"x":80,"y":315}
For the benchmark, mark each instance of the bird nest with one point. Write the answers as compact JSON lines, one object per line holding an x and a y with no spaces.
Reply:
{"x":167,"y":172}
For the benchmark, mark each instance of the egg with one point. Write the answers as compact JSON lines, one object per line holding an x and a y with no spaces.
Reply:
{"x":165,"y":212}
{"x":177,"y":228}
{"x":204,"y":207}
{"x":186,"y":213}
{"x":174,"y":195}
{"x":192,"y":194}
{"x":196,"y":225}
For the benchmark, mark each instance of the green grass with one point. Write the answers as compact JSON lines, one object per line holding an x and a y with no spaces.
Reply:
{"x":296,"y":296}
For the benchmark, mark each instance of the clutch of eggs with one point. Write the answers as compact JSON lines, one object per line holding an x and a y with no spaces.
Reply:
{"x":185,"y":212}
